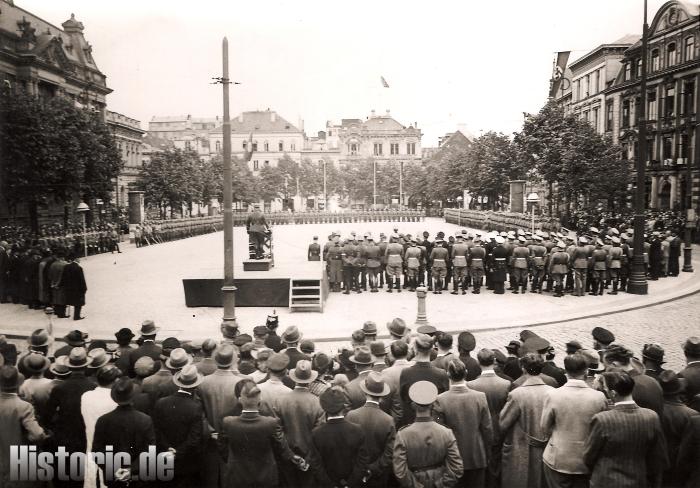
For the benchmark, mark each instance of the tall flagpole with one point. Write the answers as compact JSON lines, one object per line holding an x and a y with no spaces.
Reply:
{"x":638,"y":277}
{"x":374,"y":182}
{"x":229,"y":288}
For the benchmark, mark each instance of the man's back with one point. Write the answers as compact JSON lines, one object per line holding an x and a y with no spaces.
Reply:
{"x":339,"y":448}
{"x":496,"y":390}
{"x":64,"y":399}
{"x":566,"y":420}
{"x":178,"y":421}
{"x":421,"y":371}
{"x":625,"y":445}
{"x":379,"y":432}
{"x":218,"y":397}
{"x":300,"y":412}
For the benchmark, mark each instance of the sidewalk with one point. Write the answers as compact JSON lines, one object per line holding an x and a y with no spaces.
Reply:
{"x":146,"y":283}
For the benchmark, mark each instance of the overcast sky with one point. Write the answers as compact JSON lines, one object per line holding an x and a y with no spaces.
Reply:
{"x":479,"y":63}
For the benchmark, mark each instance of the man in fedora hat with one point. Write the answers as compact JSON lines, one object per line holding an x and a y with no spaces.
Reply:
{"x":63,"y":406}
{"x":338,"y":454}
{"x":17,"y":422}
{"x":36,"y":365}
{"x":399,"y":354}
{"x":646,"y":390}
{"x":653,"y":358}
{"x":300,"y":412}
{"x":124,"y":348}
{"x":126,"y":430}
{"x":676,"y":421}
{"x":466,"y":413}
{"x":207,"y":365}
{"x":291,"y":338}
{"x":38,"y":342}
{"x":398,"y":330}
{"x":691,"y":372}
{"x":379,"y":430}
{"x":179,"y":427}
{"x":148,"y":345}
{"x":252,"y":441}
{"x":74,"y":338}
{"x":466,"y":343}
{"x":426,"y":453}
{"x":363,"y":361}
{"x":275,"y":387}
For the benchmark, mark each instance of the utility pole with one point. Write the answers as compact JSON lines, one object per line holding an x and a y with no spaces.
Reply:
{"x":229,"y":288}
{"x":374,"y":182}
{"x":401,"y":183}
{"x":638,"y":278}
{"x":325,"y":191}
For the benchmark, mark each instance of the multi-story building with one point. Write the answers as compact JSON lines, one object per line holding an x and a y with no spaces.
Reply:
{"x":175,"y":127}
{"x":673,"y":78}
{"x":379,"y":137}
{"x":590,"y":75}
{"x":129,"y":137}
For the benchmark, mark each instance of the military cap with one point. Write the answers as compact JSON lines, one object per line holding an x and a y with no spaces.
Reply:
{"x":594,"y":230}
{"x":278,"y":362}
{"x":522,"y":239}
{"x":242,"y":339}
{"x":466,"y":341}
{"x":624,"y":236}
{"x":424,"y":341}
{"x":545,"y":234}
{"x":535,"y":344}
{"x":423,"y":393}
{"x":616,"y":240}
{"x":604,"y":336}
{"x":500,"y":240}
{"x":561,"y":245}
{"x":583,"y":240}
{"x":333,"y":400}
{"x":538,"y":238}
{"x":426,"y":329}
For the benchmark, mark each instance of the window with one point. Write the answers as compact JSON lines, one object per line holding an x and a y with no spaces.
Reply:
{"x":394,"y":148}
{"x":293,"y":147}
{"x":594,"y":117}
{"x":188,"y":145}
{"x":587,"y":86}
{"x":584,"y":115}
{"x":218,"y":146}
{"x":626,"y":113}
{"x":255,"y":146}
{"x":377,"y":148}
{"x":266,"y":146}
{"x":683,"y":147}
{"x":668,"y":150}
{"x":628,"y":71}
{"x":639,"y":69}
{"x":655,"y":60}
{"x":688,"y":97}
{"x":594,"y":82}
{"x":280,"y":146}
{"x":411,"y":148}
{"x":609,"y":116}
{"x":635,"y":114}
{"x":689,"y":49}
{"x":652,"y":107}
{"x":577,"y":90}
{"x":670,"y":102}
{"x":330,"y":132}
{"x":267,"y":164}
{"x":671,"y":54}
{"x":245,"y":145}
{"x":353,"y":148}
{"x":256,"y":165}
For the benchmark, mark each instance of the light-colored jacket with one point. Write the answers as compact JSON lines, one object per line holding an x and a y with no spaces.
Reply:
{"x":93,"y":405}
{"x":566,"y":420}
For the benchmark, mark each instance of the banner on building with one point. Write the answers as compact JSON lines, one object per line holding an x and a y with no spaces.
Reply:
{"x":558,"y":72}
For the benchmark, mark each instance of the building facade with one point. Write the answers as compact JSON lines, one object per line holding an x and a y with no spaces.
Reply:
{"x":672,"y":107}
{"x":129,"y":138}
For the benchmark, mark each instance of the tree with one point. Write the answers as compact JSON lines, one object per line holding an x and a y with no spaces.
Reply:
{"x":53,"y":151}
{"x":491,"y":164}
{"x":415,"y":184}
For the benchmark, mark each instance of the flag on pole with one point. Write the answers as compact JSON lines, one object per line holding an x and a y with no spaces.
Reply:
{"x":558,"y":72}
{"x":384,"y":83}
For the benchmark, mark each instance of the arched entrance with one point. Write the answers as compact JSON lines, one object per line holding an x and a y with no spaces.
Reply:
{"x":664,"y":194}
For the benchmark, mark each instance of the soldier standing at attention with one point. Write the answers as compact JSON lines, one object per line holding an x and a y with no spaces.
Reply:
{"x":538,"y":255}
{"x":428,"y":249}
{"x":498,"y":259}
{"x":374,"y":263}
{"x":580,"y":258}
{"x":520,"y":263}
{"x":348,"y":257}
{"x":413,"y":260}
{"x":438,"y":261}
{"x":600,"y":266}
{"x":314,"y":252}
{"x":382,"y":253}
{"x":335,"y":264}
{"x":394,"y":263}
{"x":476,"y":260}
{"x":459,"y":263}
{"x":257,"y":226}
{"x":426,"y":453}
{"x":559,"y":267}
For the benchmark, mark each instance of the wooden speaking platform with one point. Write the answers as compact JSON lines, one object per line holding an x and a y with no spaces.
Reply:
{"x":296,"y":284}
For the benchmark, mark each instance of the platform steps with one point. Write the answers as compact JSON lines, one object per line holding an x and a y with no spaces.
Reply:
{"x":305,"y":294}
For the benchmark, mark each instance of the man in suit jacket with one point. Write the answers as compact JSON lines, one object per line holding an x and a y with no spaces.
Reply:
{"x":253,"y":441}
{"x":625,"y":448}
{"x":691,"y":372}
{"x":74,"y":286}
{"x":179,"y":427}
{"x":647,"y":391}
{"x":466,"y":413}
{"x":127,"y":430}
{"x":338,"y":454}
{"x":362,"y":359}
{"x":148,"y":346}
{"x":422,"y":370}
{"x":466,"y":342}
{"x":379,"y":430}
{"x":496,"y":390}
{"x":291,"y":338}
{"x":688,"y":461}
{"x":17,"y":422}
{"x":566,"y":420}
{"x":299,"y":412}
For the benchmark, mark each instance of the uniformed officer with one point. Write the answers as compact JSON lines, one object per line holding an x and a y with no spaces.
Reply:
{"x":413,"y":261}
{"x":428,"y":249}
{"x":335,"y":264}
{"x":314,"y":252}
{"x":438,"y":264}
{"x":372,"y":256}
{"x":600,"y":266}
{"x":520,"y":263}
{"x":538,"y":257}
{"x":382,"y":253}
{"x":498,"y":259}
{"x":580,"y":259}
{"x":394,"y":264}
{"x":476,"y":261}
{"x":460,"y":249}
{"x":559,"y":267}
{"x":426,"y":453}
{"x":348,"y":258}
{"x":625,"y":260}
{"x":615,"y":257}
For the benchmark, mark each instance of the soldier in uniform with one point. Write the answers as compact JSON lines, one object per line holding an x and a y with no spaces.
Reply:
{"x":372,"y":255}
{"x":615,"y":264}
{"x":413,"y":262}
{"x":625,"y":260}
{"x":314,"y":252}
{"x":580,"y":258}
{"x":520,"y":263}
{"x":476,"y":261}
{"x":426,"y":453}
{"x":489,"y":247}
{"x":600,"y":266}
{"x":459,"y":264}
{"x":498,"y":262}
{"x":382,"y":253}
{"x":538,"y":258}
{"x":509,"y":245}
{"x":559,"y":267}
{"x":450,"y":273}
{"x":326,"y":248}
{"x":257,"y":227}
{"x":428,"y":249}
{"x":394,"y":263}
{"x":359,"y":267}
{"x":349,"y":274}
{"x":335,"y":264}
{"x":549,"y":244}
{"x":438,"y":264}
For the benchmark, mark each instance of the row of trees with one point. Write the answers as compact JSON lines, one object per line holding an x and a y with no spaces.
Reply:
{"x":53,"y":152}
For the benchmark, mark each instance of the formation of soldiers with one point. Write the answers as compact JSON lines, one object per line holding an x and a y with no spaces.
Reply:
{"x":158,"y":231}
{"x":101,"y":238}
{"x":424,"y":408}
{"x":558,"y":262}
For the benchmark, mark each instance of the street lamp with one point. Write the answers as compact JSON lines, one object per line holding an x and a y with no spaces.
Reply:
{"x":83,"y":209}
{"x":533,"y":199}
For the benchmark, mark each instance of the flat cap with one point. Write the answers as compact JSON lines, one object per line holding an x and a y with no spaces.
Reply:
{"x":333,"y":400}
{"x":278,"y":362}
{"x":466,"y":341}
{"x":423,"y":393}
{"x":602,"y":335}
